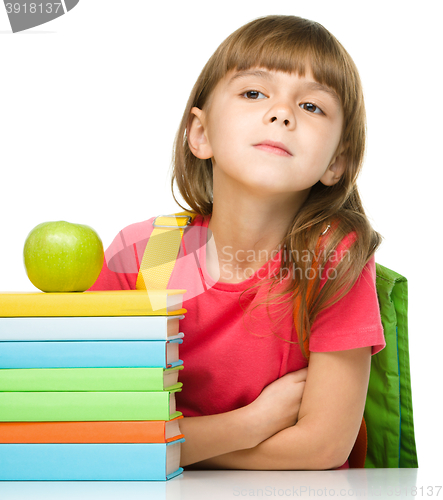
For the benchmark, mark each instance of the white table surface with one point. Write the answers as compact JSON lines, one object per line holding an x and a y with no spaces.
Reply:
{"x":219,"y":484}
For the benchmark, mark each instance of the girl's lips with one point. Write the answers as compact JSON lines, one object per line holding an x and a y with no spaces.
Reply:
{"x":273,"y":147}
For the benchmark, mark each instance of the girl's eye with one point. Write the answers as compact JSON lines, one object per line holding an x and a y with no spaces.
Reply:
{"x":312,"y":108}
{"x":254,"y":94}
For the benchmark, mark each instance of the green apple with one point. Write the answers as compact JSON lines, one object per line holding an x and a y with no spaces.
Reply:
{"x":63,"y":257}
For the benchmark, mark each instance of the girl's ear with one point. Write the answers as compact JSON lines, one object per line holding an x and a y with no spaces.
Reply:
{"x":197,"y":140}
{"x":336,"y":169}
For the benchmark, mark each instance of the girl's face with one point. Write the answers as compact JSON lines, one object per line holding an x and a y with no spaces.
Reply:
{"x":275,"y":132}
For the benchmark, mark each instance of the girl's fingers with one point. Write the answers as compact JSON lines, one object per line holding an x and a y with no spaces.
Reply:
{"x":299,"y":375}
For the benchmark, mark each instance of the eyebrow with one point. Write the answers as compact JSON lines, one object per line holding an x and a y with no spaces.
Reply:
{"x":311,"y":85}
{"x":251,"y":72}
{"x":323,"y":88}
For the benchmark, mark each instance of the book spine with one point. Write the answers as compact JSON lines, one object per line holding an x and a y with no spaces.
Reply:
{"x":95,"y":303}
{"x":82,"y":379}
{"x":84,"y":462}
{"x":84,"y":406}
{"x":151,"y":431}
{"x":87,"y":354}
{"x":87,"y":328}
{"x":90,"y":407}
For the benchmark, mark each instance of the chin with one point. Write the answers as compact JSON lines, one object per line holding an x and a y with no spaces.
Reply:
{"x":267,"y":189}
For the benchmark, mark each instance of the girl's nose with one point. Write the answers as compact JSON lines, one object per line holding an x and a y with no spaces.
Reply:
{"x":281,"y":114}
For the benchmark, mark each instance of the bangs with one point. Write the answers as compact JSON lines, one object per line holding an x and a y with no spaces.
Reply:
{"x":272,"y":52}
{"x":291,"y":45}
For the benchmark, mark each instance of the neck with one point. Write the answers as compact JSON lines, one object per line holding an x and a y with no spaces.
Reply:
{"x":247,"y":228}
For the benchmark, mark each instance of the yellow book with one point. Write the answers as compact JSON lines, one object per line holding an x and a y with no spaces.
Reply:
{"x":94,"y":303}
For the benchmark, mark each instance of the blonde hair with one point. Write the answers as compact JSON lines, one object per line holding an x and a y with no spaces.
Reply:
{"x":294,"y":44}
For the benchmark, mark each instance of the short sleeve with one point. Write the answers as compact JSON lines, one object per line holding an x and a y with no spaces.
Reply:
{"x":354,"y":321}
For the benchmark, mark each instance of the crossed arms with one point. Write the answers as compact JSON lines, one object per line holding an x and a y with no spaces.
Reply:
{"x":308,"y":419}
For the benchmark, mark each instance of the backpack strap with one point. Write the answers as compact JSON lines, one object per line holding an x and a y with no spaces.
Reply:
{"x":162,"y":250}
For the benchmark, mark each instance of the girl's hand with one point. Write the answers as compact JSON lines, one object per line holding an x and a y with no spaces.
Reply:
{"x":277,"y":407}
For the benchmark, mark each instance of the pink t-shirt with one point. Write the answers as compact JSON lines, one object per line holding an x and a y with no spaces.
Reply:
{"x":229,"y":355}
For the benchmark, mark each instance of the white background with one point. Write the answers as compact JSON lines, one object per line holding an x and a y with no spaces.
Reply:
{"x":90,"y":104}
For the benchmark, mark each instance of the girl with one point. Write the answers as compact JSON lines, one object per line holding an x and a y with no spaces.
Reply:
{"x":267,"y":156}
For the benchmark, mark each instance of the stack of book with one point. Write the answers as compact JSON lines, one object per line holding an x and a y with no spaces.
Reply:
{"x":88,"y":383}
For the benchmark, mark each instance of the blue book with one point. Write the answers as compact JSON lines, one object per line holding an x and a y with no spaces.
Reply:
{"x":91,"y":354}
{"x":90,"y":462}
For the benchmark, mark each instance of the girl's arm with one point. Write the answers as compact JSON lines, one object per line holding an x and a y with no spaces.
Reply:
{"x":275,"y":409}
{"x":329,"y":419}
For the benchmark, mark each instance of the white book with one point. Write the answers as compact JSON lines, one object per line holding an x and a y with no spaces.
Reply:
{"x":90,"y":328}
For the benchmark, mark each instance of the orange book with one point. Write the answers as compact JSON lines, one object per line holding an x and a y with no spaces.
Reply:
{"x":142,"y":431}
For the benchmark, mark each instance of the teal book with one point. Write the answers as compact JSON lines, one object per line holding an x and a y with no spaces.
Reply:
{"x":92,"y":354}
{"x":90,"y":462}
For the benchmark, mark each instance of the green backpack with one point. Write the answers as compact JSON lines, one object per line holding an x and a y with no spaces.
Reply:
{"x":388,"y":410}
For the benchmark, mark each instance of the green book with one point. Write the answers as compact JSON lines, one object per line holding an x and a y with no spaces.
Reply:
{"x":87,"y":406}
{"x":89,"y":379}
